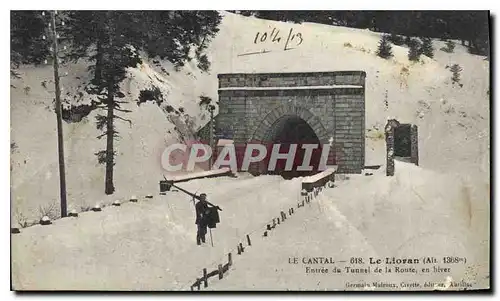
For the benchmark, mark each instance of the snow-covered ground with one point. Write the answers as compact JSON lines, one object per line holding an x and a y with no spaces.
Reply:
{"x":442,"y":205}
{"x":149,"y":245}
{"x":413,"y":214}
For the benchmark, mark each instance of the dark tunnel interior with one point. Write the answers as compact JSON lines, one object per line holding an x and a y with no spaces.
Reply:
{"x":293,"y":130}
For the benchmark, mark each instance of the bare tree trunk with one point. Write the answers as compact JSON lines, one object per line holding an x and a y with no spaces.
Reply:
{"x":98,"y":62}
{"x":60,"y":142}
{"x":110,"y":131}
{"x":109,"y":187}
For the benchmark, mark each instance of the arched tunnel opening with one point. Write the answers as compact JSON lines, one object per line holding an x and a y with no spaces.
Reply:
{"x":287,"y":131}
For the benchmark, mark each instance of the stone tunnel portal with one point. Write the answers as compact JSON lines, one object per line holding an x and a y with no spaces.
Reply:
{"x":294,"y":107}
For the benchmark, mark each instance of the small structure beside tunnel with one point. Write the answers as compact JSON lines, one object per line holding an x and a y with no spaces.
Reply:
{"x":401,"y":144}
{"x":325,"y":108}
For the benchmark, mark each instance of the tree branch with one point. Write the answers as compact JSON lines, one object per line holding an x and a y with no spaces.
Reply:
{"x":129,"y":121}
{"x":123,"y":110}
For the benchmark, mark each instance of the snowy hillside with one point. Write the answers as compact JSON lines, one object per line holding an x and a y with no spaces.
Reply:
{"x":453,"y":122}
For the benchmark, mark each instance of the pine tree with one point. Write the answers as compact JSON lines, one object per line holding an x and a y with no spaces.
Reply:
{"x":171,"y":34}
{"x":86,"y":29}
{"x":28,"y":45}
{"x":455,"y":77}
{"x":117,"y":55}
{"x":111,"y":40}
{"x":449,"y":48}
{"x":384,"y":48}
{"x":414,"y":50}
{"x":426,"y":48}
{"x":108,"y":40}
{"x":408,"y":40}
{"x":396,"y":39}
{"x":479,"y":43}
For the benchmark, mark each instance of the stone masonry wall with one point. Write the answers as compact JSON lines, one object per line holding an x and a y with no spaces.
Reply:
{"x":336,"y":113}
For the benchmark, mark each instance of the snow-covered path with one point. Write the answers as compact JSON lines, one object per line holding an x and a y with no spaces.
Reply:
{"x":149,"y":245}
{"x":402,"y":216}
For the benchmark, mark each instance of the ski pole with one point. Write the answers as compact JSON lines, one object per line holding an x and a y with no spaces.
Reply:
{"x":211,"y":240}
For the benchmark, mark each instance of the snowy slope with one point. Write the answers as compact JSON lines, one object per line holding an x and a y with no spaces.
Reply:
{"x":453,"y":122}
{"x":416,"y":213}
{"x":35,"y":178}
{"x":149,"y":245}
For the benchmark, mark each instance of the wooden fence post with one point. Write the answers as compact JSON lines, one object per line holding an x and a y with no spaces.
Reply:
{"x":221,"y":275}
{"x":268,"y":227}
{"x":205,"y":278}
{"x":274,"y":223}
{"x":265,"y":233}
{"x":278,"y":220}
{"x":229,"y":259}
{"x":248,"y":240}
{"x":241,"y":248}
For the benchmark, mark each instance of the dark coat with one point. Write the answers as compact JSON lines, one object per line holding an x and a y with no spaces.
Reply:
{"x":202,"y":213}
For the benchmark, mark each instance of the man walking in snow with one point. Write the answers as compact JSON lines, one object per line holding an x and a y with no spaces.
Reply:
{"x":202,"y":215}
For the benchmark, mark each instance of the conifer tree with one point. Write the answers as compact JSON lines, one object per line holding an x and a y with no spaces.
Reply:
{"x":111,"y":41}
{"x":455,"y":70}
{"x":450,"y":46}
{"x":414,"y":50}
{"x":28,"y":43}
{"x":384,"y":48}
{"x":426,"y":48}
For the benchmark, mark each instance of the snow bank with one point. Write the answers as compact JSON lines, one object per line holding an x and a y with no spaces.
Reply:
{"x":197,"y":175}
{"x":222,"y":142}
{"x":320,"y":175}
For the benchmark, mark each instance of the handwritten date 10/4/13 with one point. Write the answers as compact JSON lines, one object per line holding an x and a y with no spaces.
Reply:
{"x":292,"y":40}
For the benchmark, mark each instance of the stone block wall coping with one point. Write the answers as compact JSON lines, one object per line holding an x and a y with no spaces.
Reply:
{"x":293,"y":74}
{"x":291,"y":88}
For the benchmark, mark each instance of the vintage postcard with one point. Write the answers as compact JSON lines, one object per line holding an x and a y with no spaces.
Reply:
{"x":250,"y":150}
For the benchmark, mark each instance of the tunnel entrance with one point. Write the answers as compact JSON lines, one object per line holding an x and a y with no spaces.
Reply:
{"x":290,"y":130}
